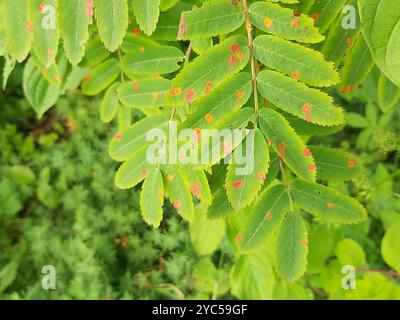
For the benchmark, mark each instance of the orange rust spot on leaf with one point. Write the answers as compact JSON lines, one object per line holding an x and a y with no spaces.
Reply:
{"x":352,"y":163}
{"x":238,"y":237}
{"x":50,"y":53}
{"x":261,"y":175}
{"x":29,"y":26}
{"x":42,"y":6}
{"x":177,"y":204}
{"x":267,"y":22}
{"x":307,"y":153}
{"x":330,"y":205}
{"x":136,"y":85}
{"x":349,"y":41}
{"x":189,"y":96}
{"x":196,"y":133}
{"x":231,"y":60}
{"x":240,"y":55}
{"x":235,"y":48}
{"x":269,"y":215}
{"x":312,"y":167}
{"x":195,"y":190}
{"x":155,"y":95}
{"x":239,"y":94}
{"x":226,"y":147}
{"x":170,"y":177}
{"x":295,"y":74}
{"x":238,"y":184}
{"x":161,"y":194}
{"x":176,"y":91}
{"x":118,"y":136}
{"x":346,"y":89}
{"x":87,"y":78}
{"x":208,"y":117}
{"x":141,"y":49}
{"x":295,"y":23}
{"x":208,"y":87}
{"x":315,"y":16}
{"x":304,"y":242}
{"x":89,"y":10}
{"x":144,"y":172}
{"x":307,"y":111}
{"x":136,"y":31}
{"x":282,"y":149}
{"x":155,"y":76}
{"x":296,"y":14}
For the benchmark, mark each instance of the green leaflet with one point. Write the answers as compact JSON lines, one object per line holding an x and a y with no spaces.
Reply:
{"x":18,"y":28}
{"x":144,"y":94}
{"x":294,"y":60}
{"x":296,"y":98}
{"x":8,"y":68}
{"x":154,"y":60}
{"x":209,"y":70}
{"x":381,"y":29}
{"x":134,"y":170}
{"x":388,"y":93}
{"x":40,"y":93}
{"x":112,"y":21}
{"x":133,"y":42}
{"x":178,"y":192}
{"x":305,"y":6}
{"x":303,"y":127}
{"x":101,"y":77}
{"x":202,"y":45}
{"x":238,"y":119}
{"x":390,"y":246}
{"x":252,"y":276}
{"x":167,"y":27}
{"x":198,"y":183}
{"x":110,"y":103}
{"x":279,"y":21}
{"x":152,"y":198}
{"x":95,"y":53}
{"x":291,"y":248}
{"x":165,"y":5}
{"x":265,"y":217}
{"x":146,"y":14}
{"x":326,"y":11}
{"x":205,"y":234}
{"x":213,"y":18}
{"x":127,"y":142}
{"x":287,"y":144}
{"x":247,"y":174}
{"x":74,"y":19}
{"x":349,"y":252}
{"x":339,"y":41}
{"x":335,"y":164}
{"x":220,"y":206}
{"x":327,"y":203}
{"x":225,"y":99}
{"x":357,"y":67}
{"x":45,"y":30}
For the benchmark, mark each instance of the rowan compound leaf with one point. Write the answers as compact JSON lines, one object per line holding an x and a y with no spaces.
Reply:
{"x":296,"y":61}
{"x":326,"y":203}
{"x":101,"y":77}
{"x":144,"y":94}
{"x":265,"y":217}
{"x":335,"y":164}
{"x":287,"y":144}
{"x":147,"y":13}
{"x":213,"y":18}
{"x":279,"y":21}
{"x":134,"y":170}
{"x":154,"y":60}
{"x":45,"y":30}
{"x":296,"y":98}
{"x":74,"y":19}
{"x":40,"y":93}
{"x":213,"y":67}
{"x":388,"y":93}
{"x":291,"y":248}
{"x":18,"y":28}
{"x":110,"y":103}
{"x":112,"y":21}
{"x":152,"y":198}
{"x":220,"y":103}
{"x":125,"y":143}
{"x":178,"y":192}
{"x":247,"y":170}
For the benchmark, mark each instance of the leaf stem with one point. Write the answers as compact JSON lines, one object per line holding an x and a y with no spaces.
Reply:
{"x":122,"y":73}
{"x":253,"y":62}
